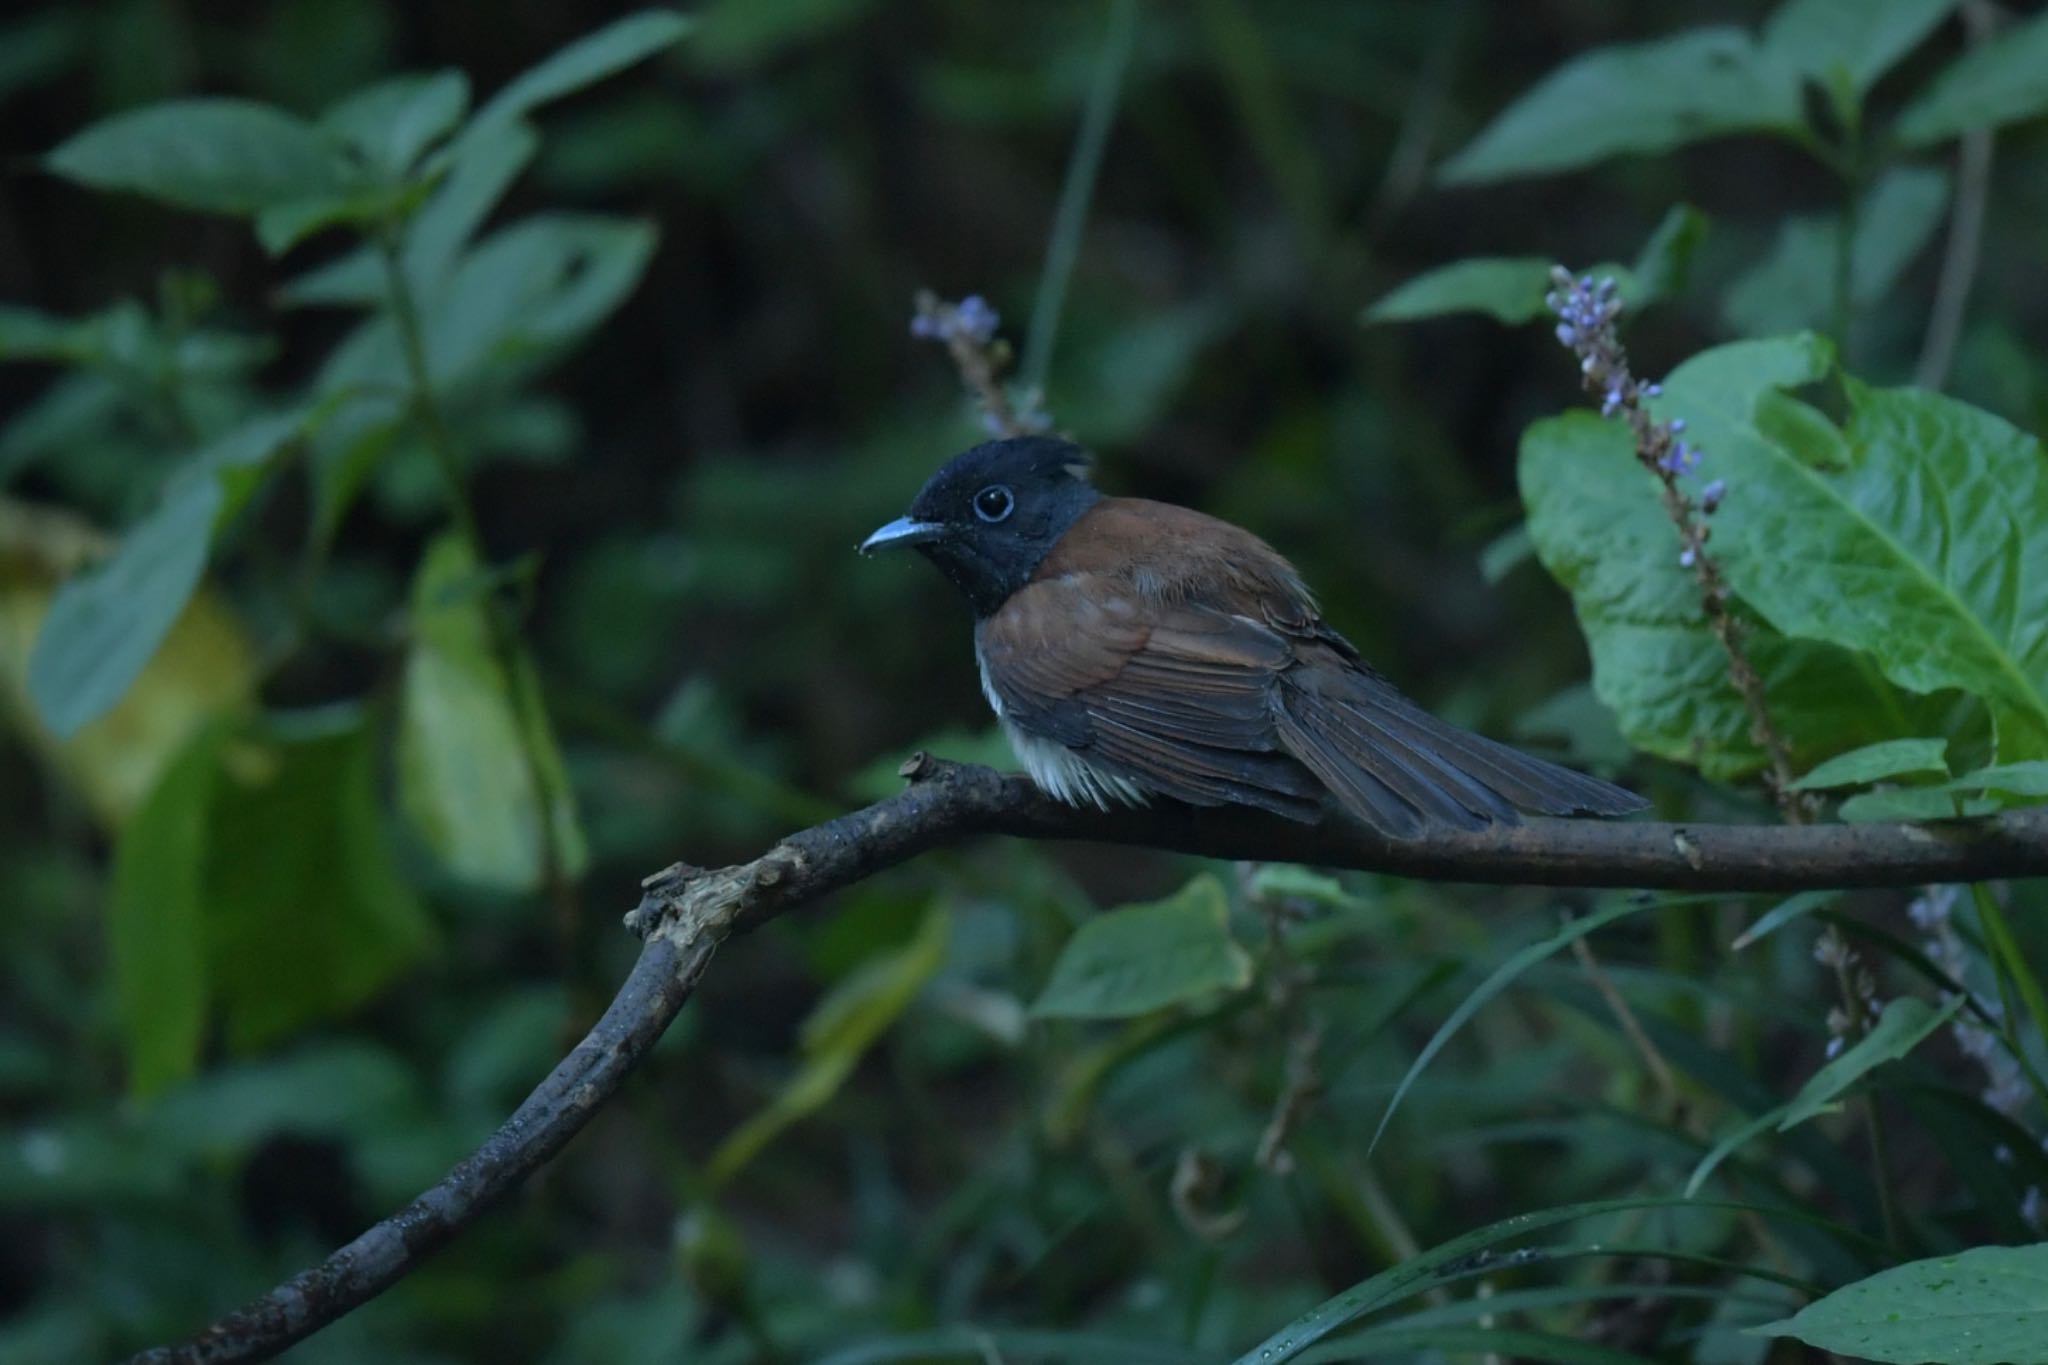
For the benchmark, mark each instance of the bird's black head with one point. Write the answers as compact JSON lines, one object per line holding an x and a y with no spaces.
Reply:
{"x":990,"y":516}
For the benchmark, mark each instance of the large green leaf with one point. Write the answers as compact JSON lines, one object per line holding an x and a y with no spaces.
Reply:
{"x":1984,"y":1306}
{"x":1998,"y":83}
{"x":1600,"y":530}
{"x":156,"y":928}
{"x":307,"y":915}
{"x":1645,"y":98}
{"x":1850,"y":43}
{"x":1140,"y":958}
{"x":1915,"y":533}
{"x":221,"y":155}
{"x":478,"y":767}
{"x":106,"y":623}
{"x":837,"y":1035}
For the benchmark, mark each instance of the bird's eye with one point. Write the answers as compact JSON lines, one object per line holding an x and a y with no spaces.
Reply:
{"x":994,"y":503}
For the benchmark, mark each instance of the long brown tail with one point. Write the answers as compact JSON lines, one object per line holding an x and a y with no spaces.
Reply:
{"x":1401,"y":770}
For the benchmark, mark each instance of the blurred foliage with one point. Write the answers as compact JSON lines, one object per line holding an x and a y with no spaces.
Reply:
{"x":434,"y":441}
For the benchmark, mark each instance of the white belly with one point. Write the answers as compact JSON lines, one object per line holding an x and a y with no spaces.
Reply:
{"x":1056,"y":770}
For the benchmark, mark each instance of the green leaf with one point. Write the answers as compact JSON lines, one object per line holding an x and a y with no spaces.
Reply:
{"x":307,"y":915}
{"x":532,"y":287}
{"x":1740,"y":1136}
{"x":219,"y":155}
{"x":156,"y":919}
{"x":1906,"y":1023}
{"x":1497,"y":981}
{"x":1886,"y":758}
{"x":1921,"y":542}
{"x":1601,"y":531}
{"x":838,"y":1034}
{"x":1511,"y":289}
{"x":1793,"y":907}
{"x":1458,"y":1257}
{"x":1997,"y":84}
{"x":391,"y":125}
{"x":478,"y":766}
{"x":1508,"y":289}
{"x":486,"y":164}
{"x":1911,"y":805}
{"x":1855,"y":41}
{"x":1140,"y":958}
{"x":584,"y":62}
{"x":106,"y":623}
{"x":1665,"y":262}
{"x":1983,"y":1306}
{"x":31,"y":334}
{"x":1975,"y":793}
{"x":2025,"y":779}
{"x":1793,"y":286}
{"x":1645,"y":98}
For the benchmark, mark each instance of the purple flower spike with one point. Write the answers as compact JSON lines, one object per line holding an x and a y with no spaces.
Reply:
{"x":976,"y":320}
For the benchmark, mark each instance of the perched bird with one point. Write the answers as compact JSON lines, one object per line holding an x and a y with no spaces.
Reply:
{"x":1135,"y":650}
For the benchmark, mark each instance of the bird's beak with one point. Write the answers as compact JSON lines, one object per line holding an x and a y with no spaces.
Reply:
{"x":902,"y":531}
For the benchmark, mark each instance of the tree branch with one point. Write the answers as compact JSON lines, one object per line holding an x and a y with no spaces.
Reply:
{"x":687,"y":912}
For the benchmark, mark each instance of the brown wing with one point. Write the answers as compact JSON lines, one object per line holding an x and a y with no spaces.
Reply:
{"x":1178,"y":699}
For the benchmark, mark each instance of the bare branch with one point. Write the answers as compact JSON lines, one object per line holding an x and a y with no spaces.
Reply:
{"x":687,"y":912}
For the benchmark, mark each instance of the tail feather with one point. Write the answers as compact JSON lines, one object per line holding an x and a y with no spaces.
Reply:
{"x":1400,"y":769}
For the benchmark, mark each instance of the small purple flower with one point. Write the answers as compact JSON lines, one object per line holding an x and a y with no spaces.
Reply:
{"x":1653,"y":390}
{"x":925,"y":327}
{"x":1711,"y":496}
{"x":993,"y":424}
{"x":1682,"y":458}
{"x":1676,"y":426}
{"x":975,"y":320}
{"x":1687,"y":558}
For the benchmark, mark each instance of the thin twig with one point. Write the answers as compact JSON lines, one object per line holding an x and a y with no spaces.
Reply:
{"x":1965,"y":228}
{"x":1631,"y":1027}
{"x":687,"y":912}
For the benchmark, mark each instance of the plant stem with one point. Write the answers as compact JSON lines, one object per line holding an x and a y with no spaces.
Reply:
{"x":1965,"y":232}
{"x":520,"y":691}
{"x":1843,"y":313}
{"x":1083,"y":169}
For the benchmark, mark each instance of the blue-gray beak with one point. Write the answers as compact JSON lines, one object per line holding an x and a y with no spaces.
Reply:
{"x":902,"y":531}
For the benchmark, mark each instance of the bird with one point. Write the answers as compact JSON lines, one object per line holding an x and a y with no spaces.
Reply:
{"x":1135,"y":651}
